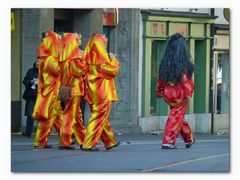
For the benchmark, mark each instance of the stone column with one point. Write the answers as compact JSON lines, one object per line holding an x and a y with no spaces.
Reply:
{"x":125,"y":44}
{"x":34,"y":22}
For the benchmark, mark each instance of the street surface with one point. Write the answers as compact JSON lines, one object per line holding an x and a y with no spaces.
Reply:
{"x":136,"y":154}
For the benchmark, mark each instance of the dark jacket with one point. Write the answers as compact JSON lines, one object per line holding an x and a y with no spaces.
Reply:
{"x":29,"y":93}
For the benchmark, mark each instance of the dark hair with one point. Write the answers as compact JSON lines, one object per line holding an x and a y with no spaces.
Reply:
{"x":176,"y":60}
{"x":44,"y":35}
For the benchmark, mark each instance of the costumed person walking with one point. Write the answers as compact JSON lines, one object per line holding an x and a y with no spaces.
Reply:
{"x":30,"y":94}
{"x":47,"y":108}
{"x":72,"y":69}
{"x":100,"y":93}
{"x":175,"y":85}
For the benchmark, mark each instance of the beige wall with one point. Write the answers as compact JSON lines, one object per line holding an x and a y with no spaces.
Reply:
{"x":15,"y":57}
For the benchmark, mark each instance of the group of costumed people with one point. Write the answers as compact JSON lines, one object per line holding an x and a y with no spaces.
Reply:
{"x":63,"y":70}
{"x":65,"y":75}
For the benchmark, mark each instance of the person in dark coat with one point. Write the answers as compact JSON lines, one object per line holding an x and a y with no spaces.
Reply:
{"x":30,"y":94}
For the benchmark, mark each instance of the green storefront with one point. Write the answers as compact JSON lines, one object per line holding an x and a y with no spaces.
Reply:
{"x":157,"y":27}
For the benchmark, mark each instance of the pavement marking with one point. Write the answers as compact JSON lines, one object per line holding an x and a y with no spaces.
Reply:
{"x":171,"y":164}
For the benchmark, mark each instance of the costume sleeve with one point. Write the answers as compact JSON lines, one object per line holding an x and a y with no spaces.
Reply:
{"x":53,"y":67}
{"x":110,"y":69}
{"x":188,"y":85}
{"x":77,"y":67}
{"x":160,"y":88}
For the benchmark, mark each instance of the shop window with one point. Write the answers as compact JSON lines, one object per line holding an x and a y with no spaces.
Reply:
{"x":222,"y":83}
{"x":219,"y":84}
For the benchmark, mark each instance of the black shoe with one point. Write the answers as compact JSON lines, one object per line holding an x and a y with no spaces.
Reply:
{"x":43,"y":147}
{"x":90,"y":149}
{"x":72,"y":143}
{"x":170,"y":146}
{"x":26,"y":135}
{"x":116,"y":145}
{"x":188,"y":145}
{"x":65,"y":148}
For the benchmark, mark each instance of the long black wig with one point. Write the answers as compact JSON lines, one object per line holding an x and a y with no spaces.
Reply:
{"x":176,"y":60}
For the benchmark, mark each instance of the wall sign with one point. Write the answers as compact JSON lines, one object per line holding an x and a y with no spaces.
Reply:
{"x":110,"y":17}
{"x":12,"y":21}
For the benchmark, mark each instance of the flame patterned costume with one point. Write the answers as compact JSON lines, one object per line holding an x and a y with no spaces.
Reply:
{"x":176,"y":95}
{"x":100,"y":91}
{"x":72,"y":70}
{"x":46,"y":109}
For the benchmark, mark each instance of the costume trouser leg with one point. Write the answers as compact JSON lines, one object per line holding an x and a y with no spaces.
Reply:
{"x":44,"y":128}
{"x":57,"y":125}
{"x":186,"y":132}
{"x":99,"y":126}
{"x":107,"y":135}
{"x":71,"y":122}
{"x":78,"y":128}
{"x":175,"y":124}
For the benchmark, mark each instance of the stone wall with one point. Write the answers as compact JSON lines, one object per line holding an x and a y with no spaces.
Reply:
{"x":199,"y":123}
{"x":125,"y":44}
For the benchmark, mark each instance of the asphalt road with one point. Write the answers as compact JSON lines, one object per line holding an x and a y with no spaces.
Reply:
{"x":136,"y":154}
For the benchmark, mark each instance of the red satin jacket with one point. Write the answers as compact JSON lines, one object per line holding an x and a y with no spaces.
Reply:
{"x":175,"y":93}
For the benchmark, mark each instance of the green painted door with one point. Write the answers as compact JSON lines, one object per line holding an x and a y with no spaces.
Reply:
{"x":201,"y":78}
{"x":106,"y":32}
{"x":158,"y":106}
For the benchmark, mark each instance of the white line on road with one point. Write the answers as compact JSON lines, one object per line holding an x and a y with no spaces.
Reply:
{"x":184,"y":162}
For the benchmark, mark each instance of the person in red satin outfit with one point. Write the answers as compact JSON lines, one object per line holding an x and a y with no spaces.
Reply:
{"x":175,"y":85}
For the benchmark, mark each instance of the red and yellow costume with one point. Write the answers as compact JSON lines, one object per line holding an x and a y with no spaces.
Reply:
{"x":46,"y":109}
{"x":176,"y":95}
{"x":100,"y":91}
{"x":72,"y":70}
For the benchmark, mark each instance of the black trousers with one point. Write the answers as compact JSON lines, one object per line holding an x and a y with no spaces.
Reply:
{"x":29,"y":125}
{"x":82,"y":106}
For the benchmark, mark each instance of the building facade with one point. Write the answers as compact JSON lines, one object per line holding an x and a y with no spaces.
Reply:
{"x":221,"y":71}
{"x":26,"y":37}
{"x":208,"y":42}
{"x":158,"y":26}
{"x":138,"y":37}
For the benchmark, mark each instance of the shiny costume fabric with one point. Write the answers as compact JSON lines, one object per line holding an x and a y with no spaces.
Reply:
{"x":100,"y":91}
{"x":72,"y":70}
{"x":101,"y":70}
{"x":176,"y":95}
{"x":46,"y":109}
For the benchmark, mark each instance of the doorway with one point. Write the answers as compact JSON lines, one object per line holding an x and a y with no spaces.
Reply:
{"x":222,"y":83}
{"x":157,"y":106}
